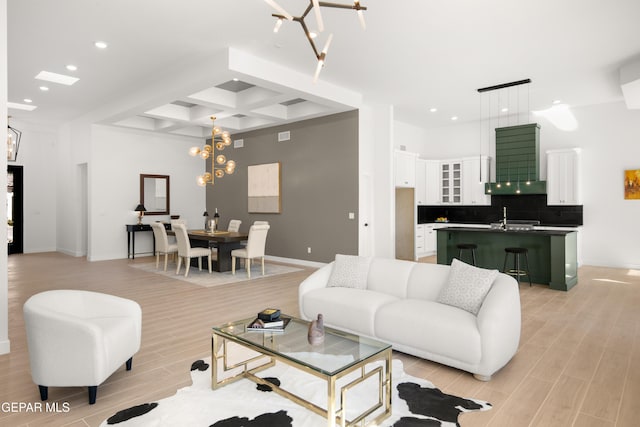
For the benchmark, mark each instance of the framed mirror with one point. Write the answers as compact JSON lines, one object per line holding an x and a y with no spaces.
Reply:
{"x":154,"y":194}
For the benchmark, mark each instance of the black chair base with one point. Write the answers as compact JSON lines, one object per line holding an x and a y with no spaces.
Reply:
{"x":467,"y":246}
{"x":518,"y":270}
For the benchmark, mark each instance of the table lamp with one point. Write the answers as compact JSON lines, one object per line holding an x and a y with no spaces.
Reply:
{"x":141,"y":210}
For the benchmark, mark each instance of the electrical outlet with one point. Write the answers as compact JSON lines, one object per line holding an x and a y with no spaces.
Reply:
{"x":309,"y":250}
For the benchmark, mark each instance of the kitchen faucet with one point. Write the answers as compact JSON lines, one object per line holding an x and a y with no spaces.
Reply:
{"x":504,"y":218}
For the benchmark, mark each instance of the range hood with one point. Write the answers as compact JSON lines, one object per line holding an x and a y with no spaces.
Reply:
{"x":517,"y":161}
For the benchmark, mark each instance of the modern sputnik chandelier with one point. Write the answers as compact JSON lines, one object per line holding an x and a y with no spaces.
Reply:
{"x":219,"y":163}
{"x":316,"y":6}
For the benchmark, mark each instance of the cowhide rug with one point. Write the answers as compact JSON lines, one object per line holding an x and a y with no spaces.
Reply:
{"x":415,"y":402}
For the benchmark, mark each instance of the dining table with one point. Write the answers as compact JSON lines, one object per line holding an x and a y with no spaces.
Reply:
{"x":224,"y":241}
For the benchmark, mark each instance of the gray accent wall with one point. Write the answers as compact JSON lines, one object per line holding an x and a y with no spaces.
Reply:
{"x":319,"y":187}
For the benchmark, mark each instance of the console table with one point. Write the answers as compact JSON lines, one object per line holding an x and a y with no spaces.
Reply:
{"x":132,"y":229}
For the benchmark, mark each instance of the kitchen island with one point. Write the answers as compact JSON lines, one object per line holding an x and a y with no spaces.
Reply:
{"x":553,"y":258}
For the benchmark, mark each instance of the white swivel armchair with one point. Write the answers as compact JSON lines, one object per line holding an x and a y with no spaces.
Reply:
{"x":187,"y":252}
{"x":162,"y":243}
{"x":79,"y":338}
{"x":254,"y":249}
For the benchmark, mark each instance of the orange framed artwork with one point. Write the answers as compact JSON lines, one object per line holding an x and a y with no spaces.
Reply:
{"x":632,"y":184}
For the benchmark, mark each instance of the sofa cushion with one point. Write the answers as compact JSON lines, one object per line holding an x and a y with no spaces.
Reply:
{"x":440,"y":328}
{"x":350,"y":271}
{"x":390,"y":276}
{"x":345,"y":308}
{"x":427,"y":280}
{"x":466,"y":286}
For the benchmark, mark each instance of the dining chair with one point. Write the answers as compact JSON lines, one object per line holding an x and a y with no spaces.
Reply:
{"x":187,"y":252}
{"x":162,"y":243}
{"x":178,"y":221}
{"x":260,"y":222}
{"x":254,"y":249}
{"x":234,"y":225}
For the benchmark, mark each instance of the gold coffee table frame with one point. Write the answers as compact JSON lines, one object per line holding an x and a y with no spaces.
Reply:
{"x":269,"y":344}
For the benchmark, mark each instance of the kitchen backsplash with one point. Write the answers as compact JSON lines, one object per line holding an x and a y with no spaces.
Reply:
{"x":525,"y":207}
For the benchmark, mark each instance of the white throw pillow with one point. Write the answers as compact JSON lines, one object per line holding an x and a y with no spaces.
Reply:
{"x":467,"y":286}
{"x":350,"y":271}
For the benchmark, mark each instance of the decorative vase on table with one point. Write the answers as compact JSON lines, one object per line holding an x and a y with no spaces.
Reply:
{"x":316,"y":331}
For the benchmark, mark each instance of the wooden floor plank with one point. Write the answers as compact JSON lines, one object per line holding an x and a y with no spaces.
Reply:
{"x":577,"y":362}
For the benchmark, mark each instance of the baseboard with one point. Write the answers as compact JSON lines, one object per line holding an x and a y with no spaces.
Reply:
{"x":70,"y":253}
{"x":295,"y":261}
{"x":5,"y":347}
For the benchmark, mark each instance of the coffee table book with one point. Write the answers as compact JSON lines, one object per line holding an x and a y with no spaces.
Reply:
{"x":274,"y":326}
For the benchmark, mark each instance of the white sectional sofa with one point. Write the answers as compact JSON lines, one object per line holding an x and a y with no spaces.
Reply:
{"x":397,"y":302}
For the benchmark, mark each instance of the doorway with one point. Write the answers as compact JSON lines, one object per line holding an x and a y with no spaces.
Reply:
{"x":15,"y":199}
{"x":405,"y":224}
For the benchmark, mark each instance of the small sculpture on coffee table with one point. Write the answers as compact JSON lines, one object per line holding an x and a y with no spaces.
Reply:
{"x":316,"y":331}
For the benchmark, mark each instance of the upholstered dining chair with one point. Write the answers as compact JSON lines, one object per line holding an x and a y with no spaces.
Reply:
{"x":178,"y":221}
{"x":162,"y":243}
{"x":260,"y":222}
{"x":254,"y":249}
{"x":234,"y":225}
{"x":79,"y":338}
{"x":186,"y":252}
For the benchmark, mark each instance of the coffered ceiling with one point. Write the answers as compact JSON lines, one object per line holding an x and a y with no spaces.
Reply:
{"x":170,"y":65}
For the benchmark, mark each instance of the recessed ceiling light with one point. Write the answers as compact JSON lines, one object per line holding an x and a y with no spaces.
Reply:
{"x":454,"y":118}
{"x":56,"y":78}
{"x":44,"y":88}
{"x":433,"y":109}
{"x":100,"y":45}
{"x":556,"y":101}
{"x":504,"y":110}
{"x":72,"y":67}
{"x":18,"y":106}
{"x":235,"y":79}
{"x":27,"y":100}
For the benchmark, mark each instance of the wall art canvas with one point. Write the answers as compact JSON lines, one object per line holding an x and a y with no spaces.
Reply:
{"x":264,"y":188}
{"x":632,"y":184}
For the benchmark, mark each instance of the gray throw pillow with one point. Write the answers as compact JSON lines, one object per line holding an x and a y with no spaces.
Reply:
{"x":467,"y":286}
{"x":350,"y":271}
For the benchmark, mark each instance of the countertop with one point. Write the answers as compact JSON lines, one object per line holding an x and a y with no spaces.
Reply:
{"x":545,"y":232}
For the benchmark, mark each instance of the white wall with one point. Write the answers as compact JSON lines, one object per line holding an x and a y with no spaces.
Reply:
{"x":36,"y":155}
{"x":379,"y":117}
{"x":118,"y":158}
{"x":609,"y":135}
{"x":4,"y":296}
{"x":412,"y":137}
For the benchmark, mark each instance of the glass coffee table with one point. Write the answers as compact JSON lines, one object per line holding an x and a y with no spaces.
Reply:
{"x":340,"y":355}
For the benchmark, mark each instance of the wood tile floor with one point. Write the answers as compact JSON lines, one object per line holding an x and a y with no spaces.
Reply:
{"x":578,"y":363}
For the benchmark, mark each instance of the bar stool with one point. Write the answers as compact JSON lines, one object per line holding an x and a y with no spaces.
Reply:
{"x":517,"y":270}
{"x":467,"y":246}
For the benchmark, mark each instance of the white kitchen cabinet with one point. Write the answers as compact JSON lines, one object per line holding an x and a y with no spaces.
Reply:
{"x":451,"y":182}
{"x":475,"y":173}
{"x":432,"y":182}
{"x":420,"y":241}
{"x":563,"y":177}
{"x":421,"y":182}
{"x":427,"y":182}
{"x":405,"y":169}
{"x":430,"y":239}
